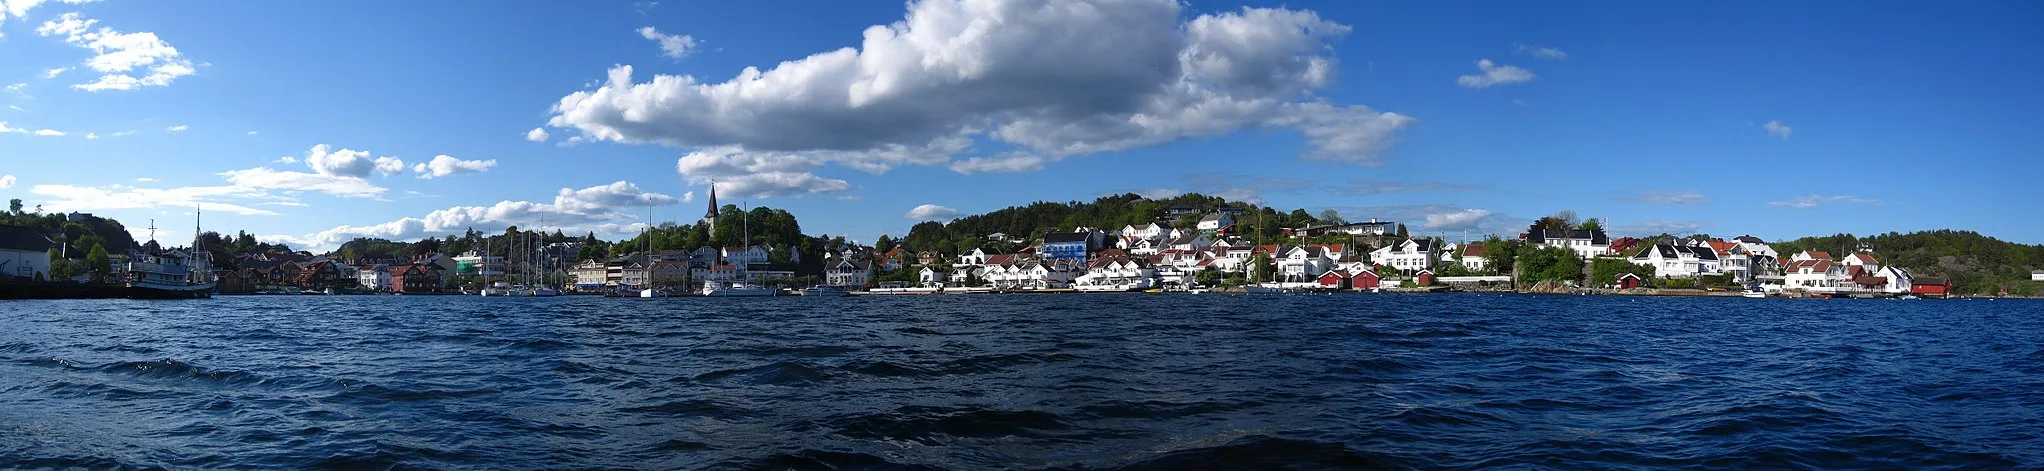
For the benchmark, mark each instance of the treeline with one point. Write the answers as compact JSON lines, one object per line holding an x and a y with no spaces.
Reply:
{"x":1108,"y":213}
{"x":1976,"y":263}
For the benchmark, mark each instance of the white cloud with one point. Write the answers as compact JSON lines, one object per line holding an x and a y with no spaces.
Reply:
{"x":1656,"y":227}
{"x":1464,"y":219}
{"x":1776,"y":129}
{"x":177,"y":128}
{"x":671,"y":45}
{"x":6,"y":181}
{"x":54,"y":72}
{"x":144,"y":179}
{"x":267,"y":179}
{"x":756,"y":174}
{"x":444,"y":165}
{"x":603,"y":208}
{"x":252,"y":133}
{"x":63,"y":198}
{"x":119,"y":55}
{"x":931,"y":212}
{"x":688,"y":197}
{"x":1494,"y":74}
{"x":1540,"y":52}
{"x":1812,"y":201}
{"x":324,"y":160}
{"x":48,"y":132}
{"x":1047,"y":82}
{"x":285,"y":160}
{"x":1009,"y":162}
{"x":536,"y":135}
{"x":1670,"y":197}
{"x":16,"y":88}
{"x":92,"y":135}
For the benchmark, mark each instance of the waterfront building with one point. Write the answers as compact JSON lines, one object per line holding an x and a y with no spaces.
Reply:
{"x":1472,"y":257}
{"x":1586,"y":244}
{"x":590,"y":274}
{"x":847,"y":271}
{"x":24,"y":253}
{"x":1372,"y":227}
{"x":1407,"y":257}
{"x":1678,"y":261}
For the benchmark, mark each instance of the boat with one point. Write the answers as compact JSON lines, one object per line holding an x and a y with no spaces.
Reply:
{"x":544,"y":292}
{"x":171,"y":274}
{"x":824,"y":291}
{"x":652,"y":293}
{"x":1261,"y":289}
{"x":1906,"y":296}
{"x":498,"y":289}
{"x":1753,"y":294}
{"x":717,"y":289}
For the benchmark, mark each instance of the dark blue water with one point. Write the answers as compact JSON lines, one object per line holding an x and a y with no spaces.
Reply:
{"x":1023,"y":382}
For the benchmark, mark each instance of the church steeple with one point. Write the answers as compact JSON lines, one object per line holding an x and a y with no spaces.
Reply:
{"x":710,"y":217}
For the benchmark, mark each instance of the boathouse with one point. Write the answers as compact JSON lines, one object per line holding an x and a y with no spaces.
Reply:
{"x":1628,"y":281}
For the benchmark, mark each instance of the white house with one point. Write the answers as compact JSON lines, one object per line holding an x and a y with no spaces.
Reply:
{"x":24,"y":253}
{"x":847,"y":272}
{"x":974,"y":258}
{"x":1678,"y":261}
{"x":1864,"y":260}
{"x":1808,"y":255}
{"x":1407,"y":257}
{"x":1814,"y":275}
{"x":1371,"y":228}
{"x":373,"y":277}
{"x":1472,"y":257}
{"x":1150,"y":231}
{"x":929,"y":277}
{"x":743,"y":256}
{"x":1215,"y":222}
{"x":1120,"y":274}
{"x":1193,"y":242}
{"x":1303,"y":264}
{"x":1897,"y":280}
{"x":2037,"y":275}
{"x":1030,"y":275}
{"x":1586,"y":244}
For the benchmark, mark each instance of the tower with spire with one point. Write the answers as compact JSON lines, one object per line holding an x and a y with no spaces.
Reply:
{"x":710,"y":217}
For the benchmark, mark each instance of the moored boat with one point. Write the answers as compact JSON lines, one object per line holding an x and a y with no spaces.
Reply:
{"x":171,"y":274}
{"x":736,"y":289}
{"x":824,"y":291}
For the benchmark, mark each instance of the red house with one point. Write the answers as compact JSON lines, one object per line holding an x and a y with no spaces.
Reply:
{"x":414,"y":278}
{"x":1931,"y":287}
{"x":1338,"y":279}
{"x":1365,"y":280}
{"x":1628,"y":281}
{"x":1424,"y":278}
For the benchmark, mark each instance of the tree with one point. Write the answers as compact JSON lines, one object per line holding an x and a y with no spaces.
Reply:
{"x":1330,"y":216}
{"x":1591,"y":225}
{"x":1550,"y":263}
{"x":1401,"y":232}
{"x":14,"y":206}
{"x":1260,"y":267}
{"x":883,"y":244}
{"x":1605,"y":271}
{"x":98,"y":263}
{"x":1498,"y":254}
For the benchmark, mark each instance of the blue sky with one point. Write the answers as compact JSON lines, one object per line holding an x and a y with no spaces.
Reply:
{"x":1779,"y":120}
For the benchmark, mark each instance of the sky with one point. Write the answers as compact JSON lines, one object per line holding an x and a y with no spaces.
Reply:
{"x":312,"y":123}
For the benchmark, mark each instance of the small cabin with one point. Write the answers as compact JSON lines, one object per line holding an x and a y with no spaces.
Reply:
{"x":1931,"y":287}
{"x":1365,"y":280}
{"x":1424,"y":277}
{"x":1628,"y":281}
{"x":1335,"y":280}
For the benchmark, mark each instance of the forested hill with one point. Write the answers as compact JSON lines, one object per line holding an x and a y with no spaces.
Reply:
{"x":1976,"y":264}
{"x":1107,"y":213}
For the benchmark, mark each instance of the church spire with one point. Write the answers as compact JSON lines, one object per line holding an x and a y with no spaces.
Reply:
{"x":710,"y":217}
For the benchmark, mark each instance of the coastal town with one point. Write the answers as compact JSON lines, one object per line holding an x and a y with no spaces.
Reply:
{"x":1186,"y":248}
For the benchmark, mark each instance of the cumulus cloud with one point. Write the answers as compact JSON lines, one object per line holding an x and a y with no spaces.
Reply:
{"x":536,"y":135}
{"x":1776,"y":129}
{"x":349,"y":162}
{"x":757,"y":174}
{"x":931,"y":212}
{"x":1670,"y":197}
{"x":1540,"y":52}
{"x":1494,"y":74}
{"x":1812,"y":201}
{"x":602,"y":208}
{"x":126,"y":61}
{"x":6,"y":181}
{"x":1073,"y":79}
{"x":48,"y":132}
{"x":444,"y":165}
{"x":1458,"y":220}
{"x":261,"y":178}
{"x":671,"y":45}
{"x":54,"y":72}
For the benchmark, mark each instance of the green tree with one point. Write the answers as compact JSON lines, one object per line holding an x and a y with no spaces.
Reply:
{"x":883,"y":244}
{"x":1401,"y":232}
{"x":1591,"y":224}
{"x":1330,"y":216}
{"x":14,"y":206}
{"x":1605,"y":271}
{"x":98,"y":263}
{"x":1550,"y":263}
{"x":1499,"y":254}
{"x":1261,"y":268}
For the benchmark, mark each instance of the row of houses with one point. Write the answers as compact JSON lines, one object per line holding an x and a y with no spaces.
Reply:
{"x":679,"y":268}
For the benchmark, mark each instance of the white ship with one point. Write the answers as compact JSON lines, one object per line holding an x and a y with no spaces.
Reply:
{"x":171,"y":274}
{"x":717,"y":289}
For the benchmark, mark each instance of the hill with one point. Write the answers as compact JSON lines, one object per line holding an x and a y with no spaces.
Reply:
{"x":1976,"y":264}
{"x":1108,"y":213}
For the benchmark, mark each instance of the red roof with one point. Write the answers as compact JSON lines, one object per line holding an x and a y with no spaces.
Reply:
{"x":1334,"y":247}
{"x":1002,"y":259}
{"x":1474,"y":249}
{"x":1863,"y":258}
{"x":1722,"y":247}
{"x":1820,"y":255}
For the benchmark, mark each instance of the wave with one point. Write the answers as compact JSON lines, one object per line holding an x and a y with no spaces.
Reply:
{"x":780,"y":373}
{"x":170,"y":368}
{"x":931,"y":424}
{"x":823,"y":460}
{"x":1265,"y":452}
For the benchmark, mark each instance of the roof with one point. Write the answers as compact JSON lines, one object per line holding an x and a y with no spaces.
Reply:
{"x":1000,"y":259}
{"x":22,"y":238}
{"x":1862,"y":257}
{"x":1061,"y":237}
{"x":1818,"y":254}
{"x":1540,"y":235}
{"x":1749,"y":239}
{"x":1211,"y":217}
{"x":1474,"y":249}
{"x":1722,"y":247}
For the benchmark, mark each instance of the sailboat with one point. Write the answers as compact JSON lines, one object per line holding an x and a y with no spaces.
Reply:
{"x":649,"y":292}
{"x":728,"y":289}
{"x":540,"y":289}
{"x":499,"y":289}
{"x":1261,"y":288}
